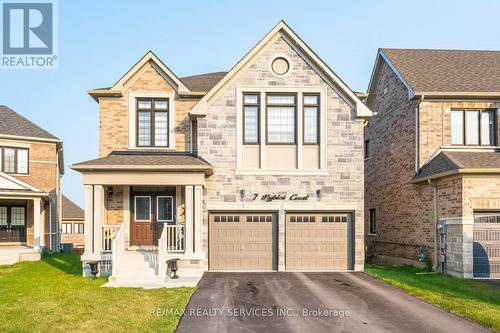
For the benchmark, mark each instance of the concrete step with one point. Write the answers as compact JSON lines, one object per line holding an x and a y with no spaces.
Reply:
{"x":135,"y":267}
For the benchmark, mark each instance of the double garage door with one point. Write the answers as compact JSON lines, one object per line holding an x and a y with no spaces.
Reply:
{"x":249,"y":241}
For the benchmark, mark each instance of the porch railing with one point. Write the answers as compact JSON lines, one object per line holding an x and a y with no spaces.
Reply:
{"x":118,"y":246}
{"x":108,"y":234}
{"x":172,"y":240}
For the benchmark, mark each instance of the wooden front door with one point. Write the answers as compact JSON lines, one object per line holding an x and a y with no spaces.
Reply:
{"x":149,"y":212}
{"x":12,"y":224}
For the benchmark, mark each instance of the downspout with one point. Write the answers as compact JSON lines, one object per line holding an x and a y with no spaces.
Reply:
{"x":435,"y":216}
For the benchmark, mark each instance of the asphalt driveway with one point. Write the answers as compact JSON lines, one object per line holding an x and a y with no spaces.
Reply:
{"x":311,"y":302}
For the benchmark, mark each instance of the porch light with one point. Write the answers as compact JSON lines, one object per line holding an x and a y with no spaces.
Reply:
{"x":110,"y":190}
{"x":94,"y":268}
{"x":242,"y":194}
{"x":318,"y":194}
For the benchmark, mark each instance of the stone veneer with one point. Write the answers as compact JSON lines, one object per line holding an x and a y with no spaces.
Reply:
{"x":344,"y":152}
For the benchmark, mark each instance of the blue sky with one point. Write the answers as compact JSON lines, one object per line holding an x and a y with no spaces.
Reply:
{"x":100,"y":40}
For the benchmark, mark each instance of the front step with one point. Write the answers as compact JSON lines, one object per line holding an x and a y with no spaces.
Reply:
{"x":136,"y":267}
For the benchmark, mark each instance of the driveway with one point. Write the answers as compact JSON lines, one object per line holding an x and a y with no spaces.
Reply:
{"x":310,"y":302}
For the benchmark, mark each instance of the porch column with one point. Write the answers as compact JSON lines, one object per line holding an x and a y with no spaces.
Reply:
{"x":198,"y":217}
{"x":38,"y":241}
{"x":188,"y":204}
{"x":98,"y":217}
{"x":89,"y":217}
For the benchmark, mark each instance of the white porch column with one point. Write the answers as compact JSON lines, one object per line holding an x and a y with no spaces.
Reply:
{"x":198,"y":217}
{"x":37,"y":227}
{"x":89,"y":218}
{"x":98,"y":217}
{"x":188,"y":213}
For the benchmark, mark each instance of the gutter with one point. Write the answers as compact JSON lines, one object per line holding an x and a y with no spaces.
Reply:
{"x":435,"y":216}
{"x":456,"y":172}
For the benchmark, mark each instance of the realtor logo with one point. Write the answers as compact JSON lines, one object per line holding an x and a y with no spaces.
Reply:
{"x":28,"y":34}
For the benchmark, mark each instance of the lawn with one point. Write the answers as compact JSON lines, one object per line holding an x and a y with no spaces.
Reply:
{"x":470,"y":299}
{"x":52,"y":296}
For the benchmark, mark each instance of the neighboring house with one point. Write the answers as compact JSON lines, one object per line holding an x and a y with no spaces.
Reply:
{"x":433,"y":165}
{"x":72,"y":224}
{"x":259,"y":168}
{"x":31,"y":166}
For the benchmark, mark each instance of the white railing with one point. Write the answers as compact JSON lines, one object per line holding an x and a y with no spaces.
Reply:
{"x":172,"y":240}
{"x":108,"y":234}
{"x":118,"y":246}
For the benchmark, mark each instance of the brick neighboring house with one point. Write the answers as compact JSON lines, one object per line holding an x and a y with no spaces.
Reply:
{"x":31,"y":166}
{"x":258,"y":168}
{"x":432,"y":169}
{"x":72,"y":224}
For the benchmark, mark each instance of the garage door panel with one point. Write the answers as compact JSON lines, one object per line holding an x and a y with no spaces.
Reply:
{"x":486,"y":247}
{"x":316,"y":241}
{"x":250,"y":242}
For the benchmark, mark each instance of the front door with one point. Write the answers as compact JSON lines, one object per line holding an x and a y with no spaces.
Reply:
{"x":148,"y":214}
{"x":12,"y":224}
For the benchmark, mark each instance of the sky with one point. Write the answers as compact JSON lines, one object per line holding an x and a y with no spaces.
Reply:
{"x":99,"y":41}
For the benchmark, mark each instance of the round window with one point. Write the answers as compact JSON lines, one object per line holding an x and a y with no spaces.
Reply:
{"x":280,"y":66}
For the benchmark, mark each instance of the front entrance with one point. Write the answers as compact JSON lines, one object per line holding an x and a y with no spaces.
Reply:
{"x":243,"y":241}
{"x":318,"y":241}
{"x":12,"y":223}
{"x":486,"y":247}
{"x":149,"y":212}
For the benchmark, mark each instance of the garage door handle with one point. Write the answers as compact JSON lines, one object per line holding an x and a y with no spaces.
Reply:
{"x":242,"y":247}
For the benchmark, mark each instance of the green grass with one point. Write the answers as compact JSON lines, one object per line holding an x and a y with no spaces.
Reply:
{"x":470,"y":299}
{"x":52,"y":296}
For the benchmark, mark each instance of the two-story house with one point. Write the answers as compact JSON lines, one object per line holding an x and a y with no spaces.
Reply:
{"x":432,"y":162}
{"x":31,"y":166}
{"x":255,"y":169}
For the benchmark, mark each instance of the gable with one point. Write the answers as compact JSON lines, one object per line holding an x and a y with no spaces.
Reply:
{"x":8,"y":182}
{"x":282,"y":31}
{"x":149,"y":78}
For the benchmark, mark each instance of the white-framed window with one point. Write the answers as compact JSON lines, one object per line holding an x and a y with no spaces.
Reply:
{"x":79,"y":228}
{"x":3,"y":215}
{"x":152,"y":122}
{"x":17,"y":216}
{"x":66,"y":228}
{"x":142,"y":208}
{"x":281,"y":115}
{"x":164,"y":208}
{"x":473,"y":127}
{"x":311,"y":119}
{"x":14,"y":160}
{"x":251,"y":118}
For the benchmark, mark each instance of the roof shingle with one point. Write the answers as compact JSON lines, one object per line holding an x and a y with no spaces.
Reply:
{"x":12,"y":123}
{"x":70,"y":210}
{"x":452,"y":71}
{"x":202,"y":82}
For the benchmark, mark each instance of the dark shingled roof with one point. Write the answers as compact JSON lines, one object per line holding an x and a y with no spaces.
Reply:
{"x":447,"y":162}
{"x":12,"y":123}
{"x":146,"y":160}
{"x":202,"y":82}
{"x":448,"y":70}
{"x":71,"y":210}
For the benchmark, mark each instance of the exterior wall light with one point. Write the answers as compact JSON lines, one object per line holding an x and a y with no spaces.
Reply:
{"x":110,"y":191}
{"x":242,"y":194}
{"x":318,"y":194}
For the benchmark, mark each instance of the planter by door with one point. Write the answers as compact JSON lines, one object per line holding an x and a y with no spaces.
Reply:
{"x":148,"y":214}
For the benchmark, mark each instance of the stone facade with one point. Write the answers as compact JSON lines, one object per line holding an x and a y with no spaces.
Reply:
{"x":403,"y":136}
{"x":217,"y":143}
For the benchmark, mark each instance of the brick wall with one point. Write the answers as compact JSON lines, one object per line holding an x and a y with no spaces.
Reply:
{"x":344,"y":139}
{"x":113,"y":206}
{"x":114,"y":113}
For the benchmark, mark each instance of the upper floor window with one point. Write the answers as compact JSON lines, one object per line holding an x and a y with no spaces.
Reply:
{"x":251,"y":110}
{"x":14,"y":160}
{"x":311,"y":119}
{"x":473,"y":127}
{"x":373,"y":221}
{"x":152,"y":122}
{"x":281,"y":111}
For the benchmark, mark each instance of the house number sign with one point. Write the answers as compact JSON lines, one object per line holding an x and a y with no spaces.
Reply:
{"x":267,"y":197}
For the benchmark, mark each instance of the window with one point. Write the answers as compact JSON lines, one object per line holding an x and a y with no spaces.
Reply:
{"x":281,"y":119}
{"x":487,"y":217}
{"x":260,"y":218}
{"x":226,"y":218}
{"x":152,"y":122}
{"x":373,"y":221}
{"x":251,"y":117}
{"x":17,"y":216}
{"x":79,"y":228}
{"x":164,"y":208}
{"x":3,"y":215}
{"x":311,"y":119}
{"x":473,"y":127}
{"x":66,"y":228}
{"x":142,"y":208}
{"x":335,"y":218}
{"x":14,"y":160}
{"x":367,"y":148}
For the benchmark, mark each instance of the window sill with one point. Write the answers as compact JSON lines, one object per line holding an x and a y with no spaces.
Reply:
{"x":18,"y":174}
{"x":371,"y":235}
{"x":259,"y":172}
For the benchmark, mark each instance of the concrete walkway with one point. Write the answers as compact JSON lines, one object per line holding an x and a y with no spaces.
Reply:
{"x":311,"y":302}
{"x":169,"y":283}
